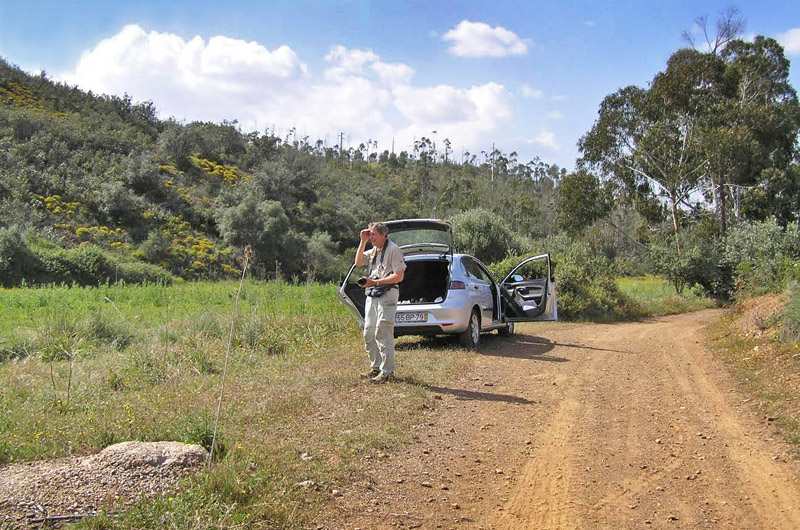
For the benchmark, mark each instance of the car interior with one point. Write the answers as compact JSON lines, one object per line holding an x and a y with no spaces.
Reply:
{"x":425,"y":281}
{"x":524,"y":298}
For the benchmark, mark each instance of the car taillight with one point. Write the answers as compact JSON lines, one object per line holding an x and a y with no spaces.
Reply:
{"x":457,"y":284}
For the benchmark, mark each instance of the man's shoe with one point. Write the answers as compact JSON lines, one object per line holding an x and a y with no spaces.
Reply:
{"x":380,"y":378}
{"x":370,"y":374}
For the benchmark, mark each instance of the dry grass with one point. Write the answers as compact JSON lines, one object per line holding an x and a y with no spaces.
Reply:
{"x":294,"y":409}
{"x":766,"y":368}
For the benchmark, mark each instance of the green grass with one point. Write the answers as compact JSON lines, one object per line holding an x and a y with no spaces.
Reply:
{"x":83,"y":368}
{"x":654,"y":296}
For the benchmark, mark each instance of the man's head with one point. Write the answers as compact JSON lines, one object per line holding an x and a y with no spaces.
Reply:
{"x":378,"y":234}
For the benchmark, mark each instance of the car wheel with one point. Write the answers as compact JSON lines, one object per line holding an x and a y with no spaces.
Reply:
{"x":469,"y":338}
{"x":507,"y":330}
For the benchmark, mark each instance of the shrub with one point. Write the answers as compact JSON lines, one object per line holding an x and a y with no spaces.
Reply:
{"x":16,"y":259}
{"x":324,"y":259}
{"x":137,"y":272}
{"x":695,"y":263}
{"x":484,"y":235}
{"x":763,"y":255}
{"x":87,"y":265}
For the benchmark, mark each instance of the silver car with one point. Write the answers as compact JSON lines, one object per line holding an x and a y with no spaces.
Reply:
{"x":446,"y":293}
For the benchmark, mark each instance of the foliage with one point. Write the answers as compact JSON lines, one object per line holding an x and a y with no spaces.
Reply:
{"x":80,"y":169}
{"x":581,"y":201}
{"x":16,"y":259}
{"x":40,"y":262}
{"x":586,"y":286}
{"x":106,"y":174}
{"x":697,"y":262}
{"x":323,"y":259}
{"x":719,"y":121}
{"x":790,"y":321}
{"x":480,"y":233}
{"x":763,"y":255}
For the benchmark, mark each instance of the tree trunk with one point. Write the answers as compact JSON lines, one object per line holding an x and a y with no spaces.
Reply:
{"x":719,"y":196}
{"x":675,"y":223}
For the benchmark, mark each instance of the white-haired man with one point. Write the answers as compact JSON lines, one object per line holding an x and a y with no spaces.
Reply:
{"x":385,"y":270}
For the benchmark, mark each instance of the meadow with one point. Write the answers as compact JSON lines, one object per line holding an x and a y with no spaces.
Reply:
{"x":87,"y":367}
{"x":82,"y":368}
{"x":654,"y":296}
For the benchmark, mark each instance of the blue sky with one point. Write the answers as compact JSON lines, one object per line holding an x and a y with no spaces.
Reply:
{"x":525,"y":76}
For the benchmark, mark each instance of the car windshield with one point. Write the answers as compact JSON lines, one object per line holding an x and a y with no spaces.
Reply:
{"x":411,"y":238}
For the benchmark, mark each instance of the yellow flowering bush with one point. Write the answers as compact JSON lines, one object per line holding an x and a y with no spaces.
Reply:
{"x":103,"y":236}
{"x":230,"y":175}
{"x":191,"y":254}
{"x":54,"y":205}
{"x":12,"y":93}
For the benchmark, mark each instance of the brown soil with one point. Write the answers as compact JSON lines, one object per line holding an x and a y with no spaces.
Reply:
{"x":584,"y":426}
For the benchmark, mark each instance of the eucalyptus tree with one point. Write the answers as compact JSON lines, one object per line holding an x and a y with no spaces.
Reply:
{"x":754,"y":128}
{"x":719,"y":118}
{"x":582,"y":200}
{"x":647,"y":141}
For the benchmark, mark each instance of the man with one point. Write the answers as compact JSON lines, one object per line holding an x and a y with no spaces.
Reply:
{"x":385,"y":269}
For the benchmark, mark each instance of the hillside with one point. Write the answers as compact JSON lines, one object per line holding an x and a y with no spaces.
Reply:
{"x":105,"y":175}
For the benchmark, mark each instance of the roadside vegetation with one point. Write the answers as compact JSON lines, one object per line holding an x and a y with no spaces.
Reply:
{"x":759,"y":338}
{"x":87,"y":367}
{"x":120,"y":235}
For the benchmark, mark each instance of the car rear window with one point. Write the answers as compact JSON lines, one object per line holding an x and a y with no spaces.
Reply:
{"x":410,"y":238}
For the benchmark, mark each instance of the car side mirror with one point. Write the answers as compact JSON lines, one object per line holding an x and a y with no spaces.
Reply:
{"x":517,"y":278}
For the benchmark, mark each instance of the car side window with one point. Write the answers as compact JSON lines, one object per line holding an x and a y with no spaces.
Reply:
{"x":474,"y":270}
{"x":465,"y":269}
{"x":483,"y":274}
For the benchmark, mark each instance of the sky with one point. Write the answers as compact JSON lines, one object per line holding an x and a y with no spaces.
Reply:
{"x":523,"y":76}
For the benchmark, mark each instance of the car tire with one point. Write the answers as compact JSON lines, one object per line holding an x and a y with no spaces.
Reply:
{"x":507,"y":330}
{"x":470,"y":337}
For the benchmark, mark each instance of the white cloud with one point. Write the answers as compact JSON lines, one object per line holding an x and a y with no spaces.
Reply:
{"x":225,"y":79}
{"x":211,"y":80}
{"x":790,"y":41}
{"x":361,"y":62}
{"x":355,"y":105}
{"x":348,"y":62}
{"x":555,"y":115}
{"x":558,"y":97}
{"x":531,"y":93}
{"x":464,"y":116}
{"x":589,"y":23}
{"x":393,"y":73}
{"x":546,"y":140}
{"x":476,"y":39}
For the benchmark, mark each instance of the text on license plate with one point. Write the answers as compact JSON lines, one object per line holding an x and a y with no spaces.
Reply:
{"x":411,"y":317}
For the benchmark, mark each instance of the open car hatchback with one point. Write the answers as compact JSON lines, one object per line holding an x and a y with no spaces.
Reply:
{"x":447,"y":293}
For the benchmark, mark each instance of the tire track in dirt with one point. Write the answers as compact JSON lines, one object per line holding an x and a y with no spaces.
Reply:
{"x":646,"y":436}
{"x":584,"y":426}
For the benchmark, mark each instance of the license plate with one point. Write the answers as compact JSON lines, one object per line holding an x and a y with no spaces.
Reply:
{"x":411,"y":317}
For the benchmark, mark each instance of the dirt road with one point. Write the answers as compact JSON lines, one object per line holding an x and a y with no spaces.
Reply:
{"x":583,"y":426}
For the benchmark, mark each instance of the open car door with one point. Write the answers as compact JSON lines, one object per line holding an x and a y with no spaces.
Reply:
{"x":529,"y":292}
{"x":353,"y":295}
